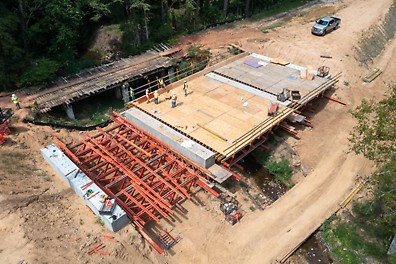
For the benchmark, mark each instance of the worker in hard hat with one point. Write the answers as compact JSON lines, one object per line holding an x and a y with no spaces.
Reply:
{"x":161,"y":84}
{"x":147,"y":96}
{"x":174,"y":98}
{"x":156,"y":95}
{"x":15,"y":100}
{"x":185,"y":88}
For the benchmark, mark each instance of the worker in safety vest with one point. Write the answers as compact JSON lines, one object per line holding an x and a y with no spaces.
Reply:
{"x":156,"y":95}
{"x":147,"y":96}
{"x":185,"y":88}
{"x":15,"y":100}
{"x":174,"y":98}
{"x":162,"y":84}
{"x":132,"y":93}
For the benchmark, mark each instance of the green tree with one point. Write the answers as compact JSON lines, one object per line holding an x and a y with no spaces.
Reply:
{"x":11,"y":51}
{"x":375,"y":134}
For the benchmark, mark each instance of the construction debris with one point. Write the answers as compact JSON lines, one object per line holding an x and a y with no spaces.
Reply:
{"x":5,"y":116}
{"x":166,"y":240}
{"x":229,"y":206}
{"x":273,"y":109}
{"x":323,"y":71}
{"x":372,"y":75}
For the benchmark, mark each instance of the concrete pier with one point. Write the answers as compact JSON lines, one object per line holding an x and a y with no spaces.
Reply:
{"x":69,"y":111}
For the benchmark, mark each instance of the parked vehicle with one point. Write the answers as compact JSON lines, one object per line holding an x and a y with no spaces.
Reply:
{"x":325,"y":25}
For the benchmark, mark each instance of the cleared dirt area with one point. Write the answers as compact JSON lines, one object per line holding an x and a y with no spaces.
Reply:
{"x":43,"y":221}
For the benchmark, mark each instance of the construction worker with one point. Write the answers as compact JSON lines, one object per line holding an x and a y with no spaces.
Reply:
{"x":15,"y":100}
{"x":156,"y":95}
{"x":162,"y":84}
{"x":185,"y":88}
{"x":132,"y":93}
{"x":147,"y":95}
{"x":174,"y":98}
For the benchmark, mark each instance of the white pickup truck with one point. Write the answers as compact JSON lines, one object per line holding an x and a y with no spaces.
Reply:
{"x":325,"y":25}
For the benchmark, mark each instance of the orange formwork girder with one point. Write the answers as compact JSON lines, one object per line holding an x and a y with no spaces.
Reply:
{"x":145,"y":176}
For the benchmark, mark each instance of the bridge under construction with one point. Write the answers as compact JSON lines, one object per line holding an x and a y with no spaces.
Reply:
{"x":152,"y":155}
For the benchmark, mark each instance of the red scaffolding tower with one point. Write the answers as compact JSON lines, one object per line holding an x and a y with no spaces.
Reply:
{"x":144,"y":175}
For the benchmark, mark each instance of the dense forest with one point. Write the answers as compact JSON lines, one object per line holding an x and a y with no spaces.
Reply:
{"x":42,"y":39}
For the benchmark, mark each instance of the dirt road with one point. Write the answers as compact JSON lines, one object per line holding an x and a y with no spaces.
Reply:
{"x":265,"y":237}
{"x":44,"y":222}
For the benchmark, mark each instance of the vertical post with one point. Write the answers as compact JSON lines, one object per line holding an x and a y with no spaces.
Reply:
{"x":125,"y":94}
{"x":171,"y":74}
{"x":69,"y":111}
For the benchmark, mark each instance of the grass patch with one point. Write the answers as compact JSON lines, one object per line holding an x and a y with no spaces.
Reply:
{"x":113,"y":27}
{"x":274,"y":26}
{"x":10,"y":163}
{"x":281,"y":170}
{"x":42,"y":174}
{"x":360,"y":239}
{"x":252,"y":208}
{"x":99,"y":221}
{"x":280,"y":7}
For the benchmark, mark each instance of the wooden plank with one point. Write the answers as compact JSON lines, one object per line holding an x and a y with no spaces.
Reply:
{"x":279,"y":61}
{"x":372,"y":75}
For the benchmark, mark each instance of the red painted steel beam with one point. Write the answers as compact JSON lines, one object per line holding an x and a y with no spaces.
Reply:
{"x":207,"y":188}
{"x":149,"y":239}
{"x":245,"y":153}
{"x":236,"y":176}
{"x":146,"y":191}
{"x":74,"y":158}
{"x":119,"y":119}
{"x":147,"y":168}
{"x":144,"y":208}
{"x":111,"y":159}
{"x":334,"y":100}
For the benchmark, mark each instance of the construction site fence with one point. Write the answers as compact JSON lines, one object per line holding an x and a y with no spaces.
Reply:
{"x":67,"y":126}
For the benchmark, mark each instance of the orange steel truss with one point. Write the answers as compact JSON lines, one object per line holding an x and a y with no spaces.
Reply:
{"x":145,"y":176}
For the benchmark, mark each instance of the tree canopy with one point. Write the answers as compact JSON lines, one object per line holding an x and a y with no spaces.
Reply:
{"x":40,"y":39}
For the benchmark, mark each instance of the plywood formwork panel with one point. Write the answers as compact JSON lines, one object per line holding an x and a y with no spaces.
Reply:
{"x":247,"y":115}
{"x":231,"y":102}
{"x":219,"y":92}
{"x":211,"y":140}
{"x":229,"y":126}
{"x":236,"y":99}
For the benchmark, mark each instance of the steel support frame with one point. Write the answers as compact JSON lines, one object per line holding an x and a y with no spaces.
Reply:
{"x":145,"y":176}
{"x":252,"y":146}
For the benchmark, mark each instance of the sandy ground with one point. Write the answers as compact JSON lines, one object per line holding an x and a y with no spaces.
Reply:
{"x":42,"y":221}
